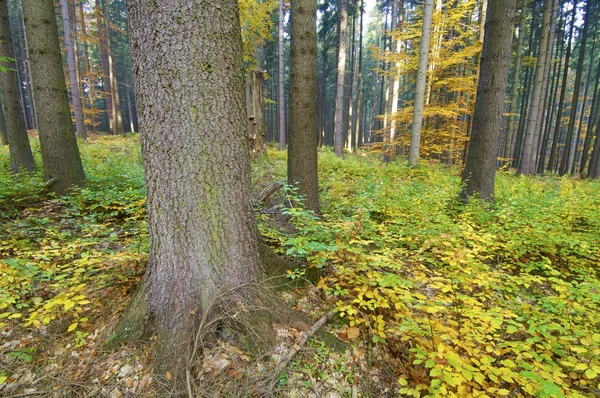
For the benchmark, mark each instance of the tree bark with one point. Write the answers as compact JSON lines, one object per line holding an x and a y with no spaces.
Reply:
{"x":189,"y":88}
{"x":341,"y":77}
{"x":415,"y":133}
{"x":116,"y":120}
{"x":60,"y":154}
{"x":21,"y":158}
{"x":480,"y":169}
{"x":281,"y":86}
{"x":302,"y":150}
{"x":72,"y":70}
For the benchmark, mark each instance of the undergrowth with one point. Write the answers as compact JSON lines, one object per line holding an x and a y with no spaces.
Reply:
{"x":464,"y":300}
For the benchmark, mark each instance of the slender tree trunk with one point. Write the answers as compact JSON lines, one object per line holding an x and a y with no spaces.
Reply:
{"x":302,"y":150}
{"x":21,"y":158}
{"x":528,"y":161}
{"x":281,"y":102}
{"x":396,"y":79}
{"x":564,"y":164}
{"x":72,"y":70}
{"x":553,"y":151}
{"x":103,"y":49}
{"x":91,"y":96}
{"x":26,"y":89}
{"x":514,"y":92}
{"x":60,"y":154}
{"x":352,"y":78}
{"x":415,"y":135}
{"x":357,"y":127}
{"x":480,"y":170}
{"x":591,"y":125}
{"x":338,"y":135}
{"x":116,"y":120}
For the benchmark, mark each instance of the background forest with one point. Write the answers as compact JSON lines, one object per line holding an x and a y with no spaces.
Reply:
{"x":438,"y":288}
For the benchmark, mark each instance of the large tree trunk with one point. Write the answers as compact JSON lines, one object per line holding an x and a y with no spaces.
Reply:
{"x":18,"y":143}
{"x":480,"y":169}
{"x":532,"y":131}
{"x":60,"y":154}
{"x":338,"y":135}
{"x":302,"y":150}
{"x":189,"y":88}
{"x":415,"y":134}
{"x":281,"y":86}
{"x":72,"y":70}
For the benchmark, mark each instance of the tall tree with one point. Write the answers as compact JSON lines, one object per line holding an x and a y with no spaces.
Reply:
{"x":197,"y":163}
{"x":302,"y":149}
{"x":60,"y":154}
{"x":116,"y":120}
{"x":417,"y":121}
{"x":72,"y":69}
{"x":480,"y":169}
{"x":528,"y":161}
{"x":564,"y":163}
{"x":338,"y":135}
{"x":281,"y":85}
{"x":21,"y":157}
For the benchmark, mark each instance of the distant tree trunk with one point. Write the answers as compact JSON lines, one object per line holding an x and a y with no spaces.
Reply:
{"x":561,"y":102}
{"x":87,"y":69}
{"x":514,"y":92}
{"x":26,"y":90}
{"x":197,"y":162}
{"x":60,"y":154}
{"x":281,"y":101}
{"x":255,"y":111}
{"x":528,"y":160}
{"x":415,"y":134}
{"x":351,"y":77}
{"x":564,"y":164}
{"x":396,"y":81}
{"x":338,"y":135}
{"x":116,"y":120}
{"x":592,"y":126}
{"x":356,"y":127}
{"x":302,"y":149}
{"x":72,"y":70}
{"x":480,"y":169}
{"x":103,"y":50}
{"x":21,"y":158}
{"x":594,"y":166}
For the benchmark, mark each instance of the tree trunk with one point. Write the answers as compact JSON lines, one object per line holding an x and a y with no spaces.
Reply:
{"x":480,"y":169}
{"x":72,"y":70}
{"x":561,"y":102}
{"x":60,"y":154}
{"x":102,"y":48}
{"x":302,"y":150}
{"x":281,"y":96}
{"x":564,"y":164}
{"x":415,"y":134}
{"x":357,"y":126}
{"x":338,"y":135}
{"x":591,"y":125}
{"x":21,"y":158}
{"x":87,"y":70}
{"x":197,"y":162}
{"x":116,"y":120}
{"x":528,"y":161}
{"x":514,"y":92}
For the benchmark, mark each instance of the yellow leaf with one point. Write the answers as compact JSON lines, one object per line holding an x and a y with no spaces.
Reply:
{"x":581,"y":366}
{"x":72,"y":327}
{"x":168,"y":375}
{"x":503,"y":391}
{"x":69,"y":304}
{"x":591,"y":373}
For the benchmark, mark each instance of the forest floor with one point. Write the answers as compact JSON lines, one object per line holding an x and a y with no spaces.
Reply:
{"x":433,"y":297}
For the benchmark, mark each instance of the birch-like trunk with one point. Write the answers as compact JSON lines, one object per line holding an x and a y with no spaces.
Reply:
{"x":415,"y":134}
{"x":338,"y":134}
{"x":281,"y":86}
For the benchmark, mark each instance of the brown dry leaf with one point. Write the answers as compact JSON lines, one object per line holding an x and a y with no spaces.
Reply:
{"x":353,"y":333}
{"x":168,"y":375}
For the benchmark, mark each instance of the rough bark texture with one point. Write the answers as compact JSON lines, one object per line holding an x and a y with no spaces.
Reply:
{"x":480,"y":169}
{"x":3,"y":136}
{"x":60,"y":154}
{"x":415,"y":133}
{"x":72,"y":69}
{"x":18,"y":142}
{"x":189,"y":86}
{"x":302,"y":149}
{"x":338,"y":135}
{"x":281,"y":85}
